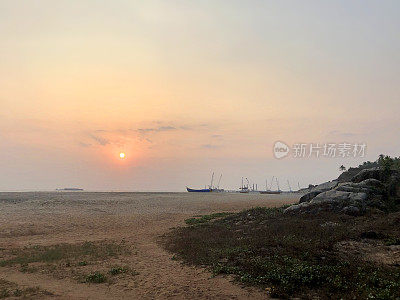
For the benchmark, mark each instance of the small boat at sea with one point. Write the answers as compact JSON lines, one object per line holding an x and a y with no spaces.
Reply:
{"x":210,"y":188}
{"x":198,"y":190}
{"x":270,"y":192}
{"x":244,"y":189}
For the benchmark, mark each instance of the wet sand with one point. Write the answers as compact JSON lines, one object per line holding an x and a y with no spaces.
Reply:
{"x":137,"y":219}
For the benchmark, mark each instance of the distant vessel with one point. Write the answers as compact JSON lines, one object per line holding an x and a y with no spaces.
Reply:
{"x":269,"y":191}
{"x":244,"y":188}
{"x":210,"y":188}
{"x":198,"y":191}
{"x":70,"y":189}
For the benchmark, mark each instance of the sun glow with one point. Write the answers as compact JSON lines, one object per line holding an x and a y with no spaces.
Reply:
{"x":122,"y":155}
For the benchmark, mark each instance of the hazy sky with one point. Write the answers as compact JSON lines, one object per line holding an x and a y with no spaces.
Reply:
{"x":185,"y":88}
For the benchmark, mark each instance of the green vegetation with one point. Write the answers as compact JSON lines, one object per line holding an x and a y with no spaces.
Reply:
{"x":53,"y":253}
{"x":205,"y":218}
{"x":11,"y":289}
{"x":388,"y":163}
{"x":122,"y":270}
{"x":82,"y":263}
{"x":293,"y":256}
{"x":95,"y":277}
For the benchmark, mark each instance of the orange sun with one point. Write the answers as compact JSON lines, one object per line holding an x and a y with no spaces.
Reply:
{"x":122,"y":155}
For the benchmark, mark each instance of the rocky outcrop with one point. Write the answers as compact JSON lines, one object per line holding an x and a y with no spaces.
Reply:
{"x":323,"y":187}
{"x":366,"y":189}
{"x":374,"y":173}
{"x":307,"y":197}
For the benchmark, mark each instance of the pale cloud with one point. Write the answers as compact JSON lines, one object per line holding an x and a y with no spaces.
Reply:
{"x":99,"y":140}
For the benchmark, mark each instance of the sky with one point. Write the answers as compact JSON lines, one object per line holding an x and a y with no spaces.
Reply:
{"x":187,"y":88}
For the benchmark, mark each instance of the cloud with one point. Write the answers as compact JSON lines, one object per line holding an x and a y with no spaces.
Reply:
{"x":84,"y":144}
{"x":156,"y":129}
{"x":99,"y":140}
{"x":209,"y":146}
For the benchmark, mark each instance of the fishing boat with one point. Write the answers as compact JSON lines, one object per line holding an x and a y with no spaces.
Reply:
{"x":244,"y":189}
{"x":198,"y":190}
{"x":211,"y":187}
{"x":268,"y":190}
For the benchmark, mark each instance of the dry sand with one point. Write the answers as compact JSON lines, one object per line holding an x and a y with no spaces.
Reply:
{"x":138,"y":219}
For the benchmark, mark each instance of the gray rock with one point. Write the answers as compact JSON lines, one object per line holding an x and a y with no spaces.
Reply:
{"x":323,"y":187}
{"x":364,"y":191}
{"x":326,"y":186}
{"x":351,"y":210}
{"x":297,"y":208}
{"x":367,"y":186}
{"x":307,"y":197}
{"x":334,"y":196}
{"x":373,"y":173}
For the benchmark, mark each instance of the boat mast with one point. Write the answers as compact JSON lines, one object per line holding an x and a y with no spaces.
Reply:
{"x":277,"y":183}
{"x":272,"y":181}
{"x":219,"y":181}
{"x":212,"y":180}
{"x":290,"y":188}
{"x":266,"y":184}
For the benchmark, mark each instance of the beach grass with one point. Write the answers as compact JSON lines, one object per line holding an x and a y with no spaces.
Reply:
{"x":87,"y":251}
{"x":11,"y":289}
{"x":293,"y":256}
{"x":201,"y":219}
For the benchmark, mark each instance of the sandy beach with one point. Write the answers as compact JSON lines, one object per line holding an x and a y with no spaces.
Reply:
{"x":135,"y":219}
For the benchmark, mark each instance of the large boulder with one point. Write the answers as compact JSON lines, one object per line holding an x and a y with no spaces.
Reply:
{"x":332,"y":200}
{"x":368,"y":186}
{"x":371,"y":188}
{"x":323,"y":187}
{"x":373,"y":173}
{"x":307,"y":197}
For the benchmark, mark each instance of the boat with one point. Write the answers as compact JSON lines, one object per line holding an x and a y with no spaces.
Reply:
{"x":211,"y":187}
{"x":198,"y":190}
{"x":244,"y":189}
{"x":270,"y":192}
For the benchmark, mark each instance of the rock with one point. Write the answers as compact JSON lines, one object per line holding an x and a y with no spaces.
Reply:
{"x":373,"y":173}
{"x":326,"y":186}
{"x":348,"y":175}
{"x":323,"y":187}
{"x":371,"y":182}
{"x":351,"y":210}
{"x":307,"y":197}
{"x":297,"y":208}
{"x":370,"y":188}
{"x":367,"y":186}
{"x":336,"y":196}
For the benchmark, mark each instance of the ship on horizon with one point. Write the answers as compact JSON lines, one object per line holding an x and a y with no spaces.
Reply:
{"x":70,"y":189}
{"x":211,"y":188}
